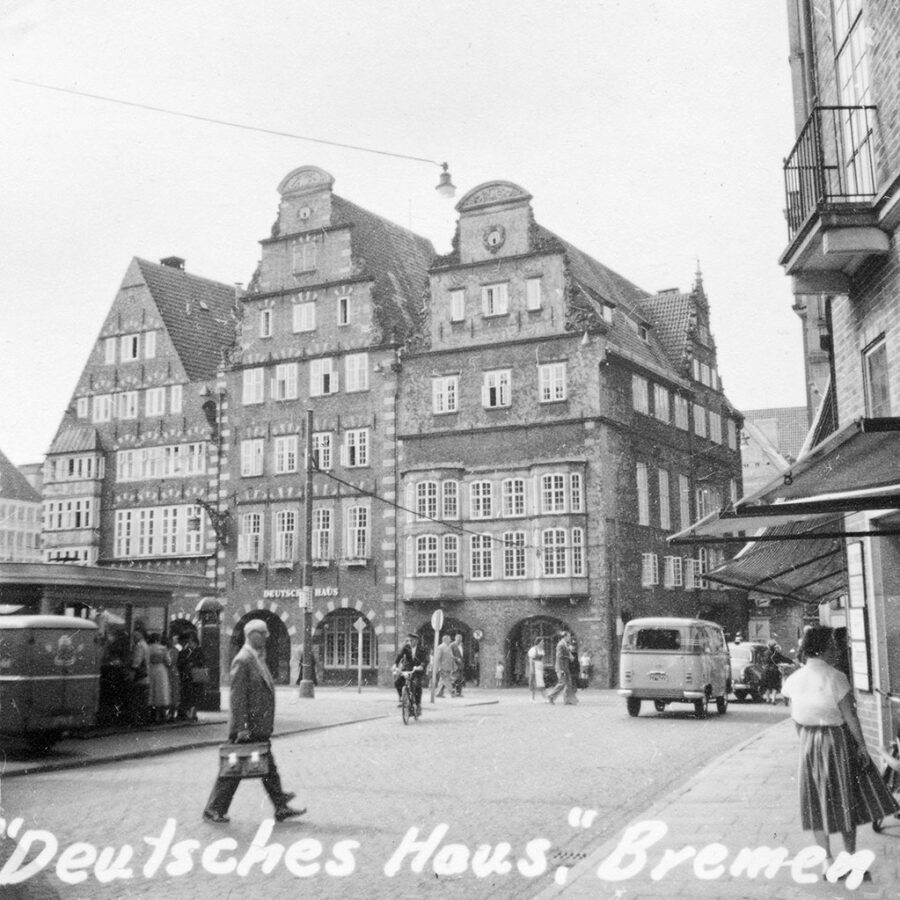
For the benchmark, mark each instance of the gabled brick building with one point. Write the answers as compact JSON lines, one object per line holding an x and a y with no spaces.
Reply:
{"x":136,"y":452}
{"x":20,"y":516}
{"x":557,"y":423}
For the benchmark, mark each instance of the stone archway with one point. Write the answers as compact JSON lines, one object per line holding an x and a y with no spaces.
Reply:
{"x":471,"y":648}
{"x":278,"y":647}
{"x":521,"y":637}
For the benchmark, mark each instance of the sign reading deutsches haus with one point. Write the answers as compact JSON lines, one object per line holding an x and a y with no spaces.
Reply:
{"x":297,"y":593}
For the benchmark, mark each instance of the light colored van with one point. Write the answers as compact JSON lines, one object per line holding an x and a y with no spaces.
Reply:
{"x":669,"y":660}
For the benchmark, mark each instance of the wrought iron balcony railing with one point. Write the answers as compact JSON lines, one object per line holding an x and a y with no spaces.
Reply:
{"x":832,"y":162}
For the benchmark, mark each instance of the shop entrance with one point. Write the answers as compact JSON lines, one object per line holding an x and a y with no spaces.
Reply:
{"x":521,"y":638}
{"x":278,"y":647}
{"x":471,"y":649}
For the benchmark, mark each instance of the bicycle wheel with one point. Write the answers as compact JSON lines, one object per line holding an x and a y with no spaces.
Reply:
{"x":406,"y":705}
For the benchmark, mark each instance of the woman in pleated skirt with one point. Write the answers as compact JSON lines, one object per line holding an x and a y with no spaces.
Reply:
{"x":840,"y":787}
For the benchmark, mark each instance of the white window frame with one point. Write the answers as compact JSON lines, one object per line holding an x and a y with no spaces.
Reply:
{"x":673,"y":570}
{"x":155,"y":402}
{"x":284,"y":535}
{"x":553,"y":493}
{"x":304,"y":316}
{"x":250,"y":538}
{"x":481,"y":500}
{"x":700,"y":428}
{"x":252,"y":456}
{"x":552,"y":386}
{"x":304,"y":256}
{"x":426,"y":500}
{"x":285,"y":454}
{"x":715,"y":427}
{"x":176,"y":398}
{"x":444,"y":394}
{"x":426,"y":555}
{"x":496,"y":389}
{"x":343,"y":310}
{"x":481,"y":557}
{"x":649,"y":569}
{"x":533,"y":294}
{"x":512,"y":498}
{"x":356,"y":372}
{"x":323,"y":377}
{"x":285,"y":382}
{"x":576,"y":493}
{"x":253,"y":386}
{"x":684,"y":501}
{"x":643,"y":493}
{"x":450,"y":554}
{"x":149,"y":345}
{"x":323,"y":447}
{"x":129,"y":347}
{"x":109,"y":350}
{"x":101,"y":407}
{"x":323,"y":533}
{"x":265,"y":322}
{"x":356,"y":448}
{"x":82,"y":407}
{"x":514,"y":560}
{"x":665,"y":509}
{"x":661,"y":403}
{"x":449,"y":499}
{"x":128,"y":405}
{"x":457,"y":304}
{"x":640,"y":394}
{"x":682,"y":413}
{"x":554,"y":553}
{"x":875,"y":406}
{"x":357,"y":532}
{"x":495,"y":299}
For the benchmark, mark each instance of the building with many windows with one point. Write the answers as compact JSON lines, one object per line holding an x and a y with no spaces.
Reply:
{"x":556,"y":424}
{"x":20,"y":516}
{"x":136,"y":454}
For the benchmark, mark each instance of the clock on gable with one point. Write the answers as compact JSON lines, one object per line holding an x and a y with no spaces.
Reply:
{"x":494,"y":237}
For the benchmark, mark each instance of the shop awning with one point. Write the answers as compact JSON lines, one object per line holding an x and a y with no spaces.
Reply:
{"x":780,"y":569}
{"x":854,"y":469}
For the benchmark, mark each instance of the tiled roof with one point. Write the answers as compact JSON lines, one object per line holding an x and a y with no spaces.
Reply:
{"x":199,"y":316}
{"x":672,"y":315}
{"x":76,"y":439}
{"x":13,"y":484}
{"x":599,"y":283}
{"x":791,"y":424}
{"x":398,"y":261}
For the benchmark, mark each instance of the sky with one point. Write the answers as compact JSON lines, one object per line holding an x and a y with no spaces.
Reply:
{"x":650,"y":134}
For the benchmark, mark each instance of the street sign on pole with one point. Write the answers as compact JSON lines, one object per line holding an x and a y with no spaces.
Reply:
{"x":437,"y":623}
{"x":360,"y":626}
{"x":304,"y":598}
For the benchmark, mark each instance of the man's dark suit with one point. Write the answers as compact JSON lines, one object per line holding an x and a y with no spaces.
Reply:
{"x":253,"y":712}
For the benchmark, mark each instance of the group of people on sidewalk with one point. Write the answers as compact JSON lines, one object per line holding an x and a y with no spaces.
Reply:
{"x":450,"y":666}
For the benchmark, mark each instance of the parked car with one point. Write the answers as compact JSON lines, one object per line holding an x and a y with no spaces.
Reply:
{"x":747,"y":664}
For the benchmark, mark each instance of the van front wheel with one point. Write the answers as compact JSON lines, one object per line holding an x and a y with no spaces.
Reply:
{"x":722,"y":705}
{"x":634,"y":706}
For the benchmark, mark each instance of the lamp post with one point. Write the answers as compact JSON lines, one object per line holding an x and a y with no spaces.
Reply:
{"x":307,"y":689}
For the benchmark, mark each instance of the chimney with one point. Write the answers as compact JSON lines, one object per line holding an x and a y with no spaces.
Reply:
{"x":173,"y":262}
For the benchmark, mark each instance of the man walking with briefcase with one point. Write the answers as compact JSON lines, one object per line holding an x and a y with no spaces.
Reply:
{"x":252,"y":720}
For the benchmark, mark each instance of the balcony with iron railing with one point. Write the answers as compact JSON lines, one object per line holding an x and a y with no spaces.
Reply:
{"x":830,"y":188}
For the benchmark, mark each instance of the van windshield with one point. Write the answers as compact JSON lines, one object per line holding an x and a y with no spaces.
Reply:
{"x":652,"y":639}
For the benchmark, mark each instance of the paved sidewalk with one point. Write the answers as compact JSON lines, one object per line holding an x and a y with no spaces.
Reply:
{"x":331,"y":707}
{"x":746,"y":798}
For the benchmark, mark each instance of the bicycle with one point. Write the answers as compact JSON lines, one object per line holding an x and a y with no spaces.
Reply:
{"x":891,"y":776}
{"x":407,"y":705}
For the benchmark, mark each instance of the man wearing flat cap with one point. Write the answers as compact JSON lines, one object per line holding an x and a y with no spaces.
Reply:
{"x":252,"y":720}
{"x":412,"y":658}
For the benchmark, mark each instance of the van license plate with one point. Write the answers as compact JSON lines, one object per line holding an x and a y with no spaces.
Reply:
{"x":657,"y":676}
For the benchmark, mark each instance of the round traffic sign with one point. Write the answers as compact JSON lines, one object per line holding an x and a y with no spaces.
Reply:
{"x":437,"y":619}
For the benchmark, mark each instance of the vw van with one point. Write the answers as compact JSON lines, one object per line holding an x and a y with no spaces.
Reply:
{"x":669,"y":660}
{"x":49,"y":677}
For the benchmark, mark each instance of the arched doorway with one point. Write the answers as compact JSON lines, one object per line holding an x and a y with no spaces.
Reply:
{"x":471,"y":649}
{"x":278,"y":647}
{"x":521,"y":637}
{"x":336,"y":647}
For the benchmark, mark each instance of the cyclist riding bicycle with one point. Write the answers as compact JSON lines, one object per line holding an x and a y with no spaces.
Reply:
{"x":413,"y":657}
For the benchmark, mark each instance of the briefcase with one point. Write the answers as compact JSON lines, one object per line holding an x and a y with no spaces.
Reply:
{"x":244,"y":760}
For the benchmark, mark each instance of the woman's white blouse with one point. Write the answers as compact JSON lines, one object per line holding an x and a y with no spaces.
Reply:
{"x":815,"y":691}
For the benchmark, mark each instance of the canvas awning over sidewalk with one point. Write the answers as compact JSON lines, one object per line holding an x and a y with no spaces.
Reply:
{"x":855,"y":469}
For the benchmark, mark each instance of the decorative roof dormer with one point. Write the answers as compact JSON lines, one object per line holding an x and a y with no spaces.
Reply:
{"x":494,"y":221}
{"x":305,"y":200}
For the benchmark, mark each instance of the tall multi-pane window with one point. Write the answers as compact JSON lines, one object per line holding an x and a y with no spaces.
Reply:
{"x":640,"y":394}
{"x":681,"y":412}
{"x":356,"y":447}
{"x":254,"y":386}
{"x":155,"y":401}
{"x":128,"y":405}
{"x":323,"y":523}
{"x":356,"y":372}
{"x":285,"y":535}
{"x":514,"y":554}
{"x":252,"y":457}
{"x":875,"y":370}
{"x":444,"y":393}
{"x":649,"y":569}
{"x":481,"y":499}
{"x":661,"y":403}
{"x":284,"y":385}
{"x":553,"y":493}
{"x":553,"y":552}
{"x":265,"y":323}
{"x":450,"y":499}
{"x":495,"y":389}
{"x":481,"y":557}
{"x":576,"y":495}
{"x":250,"y":538}
{"x":684,"y":501}
{"x":323,"y":377}
{"x":512,"y":494}
{"x":427,"y":500}
{"x":457,"y":305}
{"x":285,"y":453}
{"x":426,"y":554}
{"x":357,"y":532}
{"x":665,"y":515}
{"x":304,"y":256}
{"x":129,"y":347}
{"x":322,"y":450}
{"x":552,"y":382}
{"x":672,"y":573}
{"x":102,"y":407}
{"x":643,"y":494}
{"x":450,"y":554}
{"x":577,"y":552}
